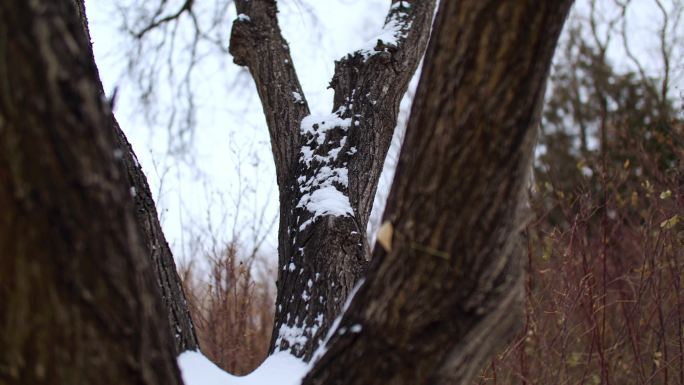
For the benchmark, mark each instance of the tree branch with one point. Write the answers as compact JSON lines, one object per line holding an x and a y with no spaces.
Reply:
{"x":327,"y":166}
{"x":257,"y":43}
{"x":326,"y":204}
{"x":370,"y":83}
{"x":186,"y":7}
{"x":78,"y":299}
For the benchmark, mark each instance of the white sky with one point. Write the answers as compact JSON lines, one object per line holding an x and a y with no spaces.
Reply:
{"x":231,"y":162}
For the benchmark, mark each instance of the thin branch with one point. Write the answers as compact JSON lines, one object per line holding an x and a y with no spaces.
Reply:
{"x":257,"y":43}
{"x":665,"y":52}
{"x":186,"y":7}
{"x":625,"y":41}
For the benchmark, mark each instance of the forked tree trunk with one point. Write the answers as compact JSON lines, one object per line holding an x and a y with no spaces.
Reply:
{"x":156,"y":248}
{"x":78,"y":299}
{"x":447,"y":291}
{"x":327,"y":167}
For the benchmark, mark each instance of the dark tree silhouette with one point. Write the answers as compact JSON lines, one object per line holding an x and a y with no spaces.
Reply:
{"x":78,"y":300}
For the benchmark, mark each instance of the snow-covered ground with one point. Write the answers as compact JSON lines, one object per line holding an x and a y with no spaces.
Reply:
{"x":281,"y":368}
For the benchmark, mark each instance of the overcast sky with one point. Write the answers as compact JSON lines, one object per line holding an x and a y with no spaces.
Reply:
{"x":230,"y":162}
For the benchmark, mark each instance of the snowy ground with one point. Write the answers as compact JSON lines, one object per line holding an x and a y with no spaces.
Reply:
{"x":280,"y":368}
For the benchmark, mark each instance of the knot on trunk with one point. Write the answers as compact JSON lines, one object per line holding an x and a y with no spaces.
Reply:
{"x":241,"y":41}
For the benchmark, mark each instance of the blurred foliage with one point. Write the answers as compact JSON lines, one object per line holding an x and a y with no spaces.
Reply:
{"x":603,"y":130}
{"x":604,"y":300}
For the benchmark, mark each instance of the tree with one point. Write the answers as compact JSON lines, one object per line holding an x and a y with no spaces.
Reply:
{"x":448,"y":272}
{"x":78,"y":303}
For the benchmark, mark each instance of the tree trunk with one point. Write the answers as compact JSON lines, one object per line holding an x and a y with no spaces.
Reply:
{"x":78,"y":300}
{"x":157,"y":249}
{"x":327,"y":167}
{"x":445,"y":291}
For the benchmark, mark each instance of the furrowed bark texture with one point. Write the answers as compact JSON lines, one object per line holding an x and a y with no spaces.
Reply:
{"x":448,"y":292}
{"x":78,"y":299}
{"x":157,"y":249}
{"x":323,"y":252}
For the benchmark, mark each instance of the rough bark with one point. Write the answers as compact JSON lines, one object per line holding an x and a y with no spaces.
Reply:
{"x":147,"y":220}
{"x":323,"y":254}
{"x":78,"y":300}
{"x":157,"y":250}
{"x":447,"y":291}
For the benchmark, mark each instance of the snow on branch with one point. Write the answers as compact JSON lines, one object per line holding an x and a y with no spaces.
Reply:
{"x":321,"y":195}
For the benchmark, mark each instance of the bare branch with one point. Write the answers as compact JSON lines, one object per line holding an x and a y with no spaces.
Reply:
{"x":257,"y":43}
{"x":665,"y":51}
{"x":186,"y":7}
{"x":159,"y":36}
{"x":625,"y":41}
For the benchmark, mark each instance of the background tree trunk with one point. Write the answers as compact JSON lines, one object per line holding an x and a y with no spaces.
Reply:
{"x":327,"y":167}
{"x":78,"y":298}
{"x":447,"y":290}
{"x":147,"y":220}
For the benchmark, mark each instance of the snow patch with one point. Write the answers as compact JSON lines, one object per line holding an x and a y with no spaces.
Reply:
{"x":306,"y":157}
{"x":327,"y":200}
{"x":395,"y":29}
{"x":280,"y":368}
{"x":322,"y":195}
{"x":318,"y":125}
{"x":293,"y":334}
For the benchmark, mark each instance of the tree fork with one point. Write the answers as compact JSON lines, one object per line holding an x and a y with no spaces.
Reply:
{"x":324,"y":252}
